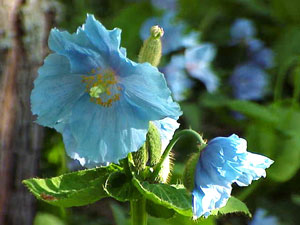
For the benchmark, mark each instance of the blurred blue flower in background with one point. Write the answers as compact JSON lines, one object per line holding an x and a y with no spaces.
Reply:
{"x":166,"y":4}
{"x":174,"y":37}
{"x":260,"y":218}
{"x":254,"y":45}
{"x":224,"y":161}
{"x":97,"y":98}
{"x":242,"y":30}
{"x":176,"y":77}
{"x":263,"y":58}
{"x":198,"y":60}
{"x":249,"y":82}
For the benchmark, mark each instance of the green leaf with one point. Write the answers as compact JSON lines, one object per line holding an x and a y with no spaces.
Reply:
{"x":172,"y":197}
{"x":72,"y":189}
{"x":120,"y":187}
{"x":159,"y":211}
{"x":233,"y":206}
{"x":253,"y":110}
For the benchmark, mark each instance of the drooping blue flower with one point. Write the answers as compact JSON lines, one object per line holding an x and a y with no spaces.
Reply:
{"x":224,"y":161}
{"x":97,"y":98}
{"x":249,"y":82}
{"x":242,"y":30}
{"x":198,"y":60}
{"x":176,"y":77}
{"x":261,"y":218}
{"x":173,"y":38}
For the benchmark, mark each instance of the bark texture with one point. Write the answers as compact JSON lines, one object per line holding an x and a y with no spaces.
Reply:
{"x":24,"y":29}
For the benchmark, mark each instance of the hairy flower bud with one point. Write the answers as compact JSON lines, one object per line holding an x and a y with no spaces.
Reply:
{"x":151,"y":49}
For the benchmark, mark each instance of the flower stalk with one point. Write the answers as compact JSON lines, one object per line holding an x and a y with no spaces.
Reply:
{"x":176,"y":138}
{"x":138,"y":212}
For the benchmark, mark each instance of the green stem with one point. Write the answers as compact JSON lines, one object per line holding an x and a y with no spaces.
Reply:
{"x":138,"y":212}
{"x":176,"y":138}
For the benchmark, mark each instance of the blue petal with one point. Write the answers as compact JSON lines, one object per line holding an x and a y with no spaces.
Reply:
{"x":146,"y":89}
{"x":105,"y":40}
{"x":106,"y":134}
{"x":55,"y":91}
{"x":166,"y":128}
{"x":77,"y":48}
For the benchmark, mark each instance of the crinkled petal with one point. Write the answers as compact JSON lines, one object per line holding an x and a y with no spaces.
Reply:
{"x":77,"y":48}
{"x":105,"y":40}
{"x":55,"y":91}
{"x":145,"y":88}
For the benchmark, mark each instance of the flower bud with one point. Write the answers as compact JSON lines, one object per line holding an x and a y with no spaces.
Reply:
{"x":151,"y":49}
{"x":189,"y":171}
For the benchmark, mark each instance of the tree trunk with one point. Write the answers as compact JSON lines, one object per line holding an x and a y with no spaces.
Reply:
{"x":24,"y":29}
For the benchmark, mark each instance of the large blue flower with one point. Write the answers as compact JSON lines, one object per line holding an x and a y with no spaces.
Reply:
{"x":97,"y":98}
{"x":249,"y":82}
{"x":173,"y":38}
{"x":224,"y":161}
{"x":198,"y":60}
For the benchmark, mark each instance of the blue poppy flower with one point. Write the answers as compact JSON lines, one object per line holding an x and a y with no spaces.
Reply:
{"x":242,"y":30}
{"x":97,"y":98}
{"x":249,"y":82}
{"x":261,"y":218}
{"x":198,"y":60}
{"x":176,"y":77}
{"x":173,"y":38}
{"x":224,"y":161}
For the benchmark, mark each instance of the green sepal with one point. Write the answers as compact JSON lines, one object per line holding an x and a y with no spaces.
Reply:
{"x":153,"y":144}
{"x":189,"y":171}
{"x":120,"y":187}
{"x":72,"y":189}
{"x":140,"y":158}
{"x":152,"y":48}
{"x":233,"y":205}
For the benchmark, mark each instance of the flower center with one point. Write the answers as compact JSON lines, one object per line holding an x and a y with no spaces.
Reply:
{"x":102,"y":87}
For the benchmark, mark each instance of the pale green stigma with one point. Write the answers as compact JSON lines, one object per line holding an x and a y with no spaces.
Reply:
{"x":96,"y":91}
